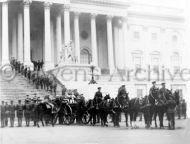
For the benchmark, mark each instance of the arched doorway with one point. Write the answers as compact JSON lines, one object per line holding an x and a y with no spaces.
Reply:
{"x":85,"y":56}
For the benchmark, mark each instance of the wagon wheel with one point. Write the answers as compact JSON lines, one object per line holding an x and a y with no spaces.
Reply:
{"x":67,"y":117}
{"x":85,"y":118}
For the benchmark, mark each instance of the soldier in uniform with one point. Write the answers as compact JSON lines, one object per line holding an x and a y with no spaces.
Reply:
{"x":63,"y":91}
{"x":25,"y":71}
{"x":18,"y":66}
{"x":19,"y":109}
{"x":6,"y":113}
{"x":162,"y":99}
{"x":2,"y":114}
{"x":22,"y":69}
{"x":27,"y":111}
{"x":184,"y":108}
{"x":29,"y":74}
{"x":163,"y":92}
{"x":97,"y":99}
{"x":153,"y":88}
{"x":27,"y":98}
{"x":12,"y":113}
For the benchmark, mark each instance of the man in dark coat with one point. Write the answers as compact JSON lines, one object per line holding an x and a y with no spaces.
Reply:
{"x":153,"y":88}
{"x":6,"y":113}
{"x":27,"y":112}
{"x":163,"y":92}
{"x":2,"y":114}
{"x":29,"y":74}
{"x":25,"y":71}
{"x":19,"y":109}
{"x":184,"y":108}
{"x":63,"y":91}
{"x":12,"y":109}
{"x":97,"y":100}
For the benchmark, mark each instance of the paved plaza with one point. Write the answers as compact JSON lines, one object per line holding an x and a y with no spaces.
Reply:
{"x":75,"y":134}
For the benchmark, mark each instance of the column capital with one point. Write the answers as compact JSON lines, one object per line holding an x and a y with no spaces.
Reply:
{"x":5,"y":2}
{"x":77,"y":13}
{"x":58,"y":9}
{"x":27,"y":2}
{"x":109,"y":17}
{"x":66,"y":7}
{"x":47,"y":4}
{"x":93,"y":15}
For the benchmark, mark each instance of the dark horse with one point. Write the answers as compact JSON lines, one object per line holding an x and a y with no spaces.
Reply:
{"x":42,"y":112}
{"x":160,"y":106}
{"x":121,"y":105}
{"x":105,"y":108}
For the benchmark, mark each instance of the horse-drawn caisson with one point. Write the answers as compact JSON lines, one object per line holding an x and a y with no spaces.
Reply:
{"x":73,"y":108}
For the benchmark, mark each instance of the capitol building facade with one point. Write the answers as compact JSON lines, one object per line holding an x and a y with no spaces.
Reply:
{"x":116,"y":36}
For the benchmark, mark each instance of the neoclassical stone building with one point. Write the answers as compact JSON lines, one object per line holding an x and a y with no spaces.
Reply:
{"x":111,"y":34}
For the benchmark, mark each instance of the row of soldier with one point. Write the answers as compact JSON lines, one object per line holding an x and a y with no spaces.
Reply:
{"x":11,"y":111}
{"x":40,"y":79}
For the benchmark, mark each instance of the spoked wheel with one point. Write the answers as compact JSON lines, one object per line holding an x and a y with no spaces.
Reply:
{"x":67,"y":117}
{"x":85,"y":118}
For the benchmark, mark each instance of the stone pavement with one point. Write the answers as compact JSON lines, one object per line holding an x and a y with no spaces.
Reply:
{"x":75,"y":134}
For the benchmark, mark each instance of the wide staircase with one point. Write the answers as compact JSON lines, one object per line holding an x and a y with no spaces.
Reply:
{"x":18,"y":88}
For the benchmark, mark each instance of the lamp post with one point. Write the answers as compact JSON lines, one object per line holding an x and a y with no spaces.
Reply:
{"x":92,"y":81}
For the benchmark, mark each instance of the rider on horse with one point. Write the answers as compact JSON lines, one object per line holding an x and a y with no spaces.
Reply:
{"x":48,"y":103}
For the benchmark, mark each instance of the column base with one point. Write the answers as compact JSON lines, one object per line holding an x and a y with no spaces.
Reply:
{"x":111,"y":70}
{"x":48,"y":66}
{"x":4,"y":62}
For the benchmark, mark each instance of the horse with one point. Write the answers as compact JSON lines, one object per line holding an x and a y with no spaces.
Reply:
{"x":121,"y":105}
{"x":106,"y":107}
{"x":135,"y":106}
{"x":92,"y":110}
{"x":43,"y":112}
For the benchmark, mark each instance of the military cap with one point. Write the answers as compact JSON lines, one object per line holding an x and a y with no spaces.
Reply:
{"x":163,"y":83}
{"x":153,"y":82}
{"x":46,"y":97}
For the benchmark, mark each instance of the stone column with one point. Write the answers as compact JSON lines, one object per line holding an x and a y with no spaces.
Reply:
{"x":77,"y":38}
{"x":5,"y":36}
{"x":0,"y":35}
{"x":20,"y":36}
{"x":27,"y":55}
{"x":14,"y":39}
{"x":47,"y":49}
{"x":58,"y":36}
{"x":110,"y":43}
{"x":67,"y":35}
{"x":94,"y":40}
{"x":124,"y":29}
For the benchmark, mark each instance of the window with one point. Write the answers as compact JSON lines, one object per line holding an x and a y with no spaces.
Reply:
{"x":175,"y":60}
{"x":137,"y":62}
{"x":136,"y":35}
{"x":137,"y":59}
{"x":139,"y":93}
{"x":154,"y":36}
{"x":85,"y":57}
{"x":155,"y":59}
